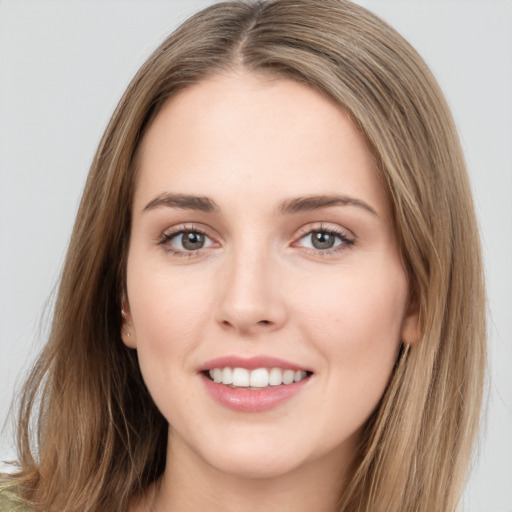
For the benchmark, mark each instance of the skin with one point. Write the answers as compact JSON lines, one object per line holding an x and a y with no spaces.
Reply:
{"x":260,"y":287}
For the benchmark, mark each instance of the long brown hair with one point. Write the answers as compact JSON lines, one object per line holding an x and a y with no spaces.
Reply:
{"x":98,"y":437}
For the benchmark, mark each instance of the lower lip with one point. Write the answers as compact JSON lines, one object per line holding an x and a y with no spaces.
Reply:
{"x":257,"y":400}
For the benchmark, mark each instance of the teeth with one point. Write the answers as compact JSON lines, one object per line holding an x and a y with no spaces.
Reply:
{"x":288,"y":376}
{"x":227,"y":376}
{"x":258,"y":378}
{"x":217,"y":375}
{"x":241,"y":377}
{"x":275,"y":377}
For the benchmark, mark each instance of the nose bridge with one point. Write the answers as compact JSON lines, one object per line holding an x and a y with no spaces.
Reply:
{"x":250,"y":295}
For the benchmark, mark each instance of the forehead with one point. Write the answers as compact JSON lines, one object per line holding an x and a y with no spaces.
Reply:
{"x":255,"y":136}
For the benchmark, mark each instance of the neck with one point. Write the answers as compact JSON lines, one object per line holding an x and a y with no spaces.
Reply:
{"x":189,"y":484}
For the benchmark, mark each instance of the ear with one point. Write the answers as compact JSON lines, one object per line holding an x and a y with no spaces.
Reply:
{"x":127,"y":330}
{"x":410,"y":332}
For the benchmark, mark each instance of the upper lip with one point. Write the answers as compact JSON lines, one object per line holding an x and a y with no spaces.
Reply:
{"x":251,"y":363}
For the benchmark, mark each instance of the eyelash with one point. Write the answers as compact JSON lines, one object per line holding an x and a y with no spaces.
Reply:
{"x":346,"y":240}
{"x":168,"y":236}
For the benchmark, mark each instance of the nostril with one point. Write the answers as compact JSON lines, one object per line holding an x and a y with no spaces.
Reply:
{"x":247,"y":327}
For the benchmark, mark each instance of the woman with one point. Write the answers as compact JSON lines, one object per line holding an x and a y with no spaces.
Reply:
{"x":273,"y":294}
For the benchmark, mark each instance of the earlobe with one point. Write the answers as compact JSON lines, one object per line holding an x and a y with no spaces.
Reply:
{"x":410,"y":324}
{"x":127,"y":331}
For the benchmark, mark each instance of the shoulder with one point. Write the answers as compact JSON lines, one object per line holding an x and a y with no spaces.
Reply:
{"x":10,"y":501}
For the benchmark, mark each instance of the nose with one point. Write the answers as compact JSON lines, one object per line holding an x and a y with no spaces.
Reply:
{"x":251,"y":300}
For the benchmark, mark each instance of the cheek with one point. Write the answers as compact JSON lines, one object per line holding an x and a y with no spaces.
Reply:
{"x":354,"y":320}
{"x":359,"y":305}
{"x":169,"y":312}
{"x":355,"y":325}
{"x":165,"y":305}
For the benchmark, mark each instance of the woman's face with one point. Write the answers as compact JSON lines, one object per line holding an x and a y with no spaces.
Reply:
{"x":262,"y":250}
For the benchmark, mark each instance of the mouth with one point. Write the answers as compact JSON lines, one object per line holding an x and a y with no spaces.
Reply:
{"x":255,"y":379}
{"x":254,"y":384}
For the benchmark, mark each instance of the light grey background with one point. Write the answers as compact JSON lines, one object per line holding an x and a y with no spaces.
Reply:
{"x":64,"y":65}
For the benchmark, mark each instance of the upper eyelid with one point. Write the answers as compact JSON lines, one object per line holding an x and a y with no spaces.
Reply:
{"x":323,"y":226}
{"x":186,"y":227}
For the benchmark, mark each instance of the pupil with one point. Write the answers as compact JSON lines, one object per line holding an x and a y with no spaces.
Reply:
{"x":193,"y":241}
{"x":322,"y":240}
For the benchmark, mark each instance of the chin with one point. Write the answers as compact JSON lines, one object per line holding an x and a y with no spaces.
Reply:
{"x":257,"y":466}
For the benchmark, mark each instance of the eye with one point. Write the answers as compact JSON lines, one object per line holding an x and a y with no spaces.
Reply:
{"x":325,"y":239}
{"x":190,"y":240}
{"x":183,"y":241}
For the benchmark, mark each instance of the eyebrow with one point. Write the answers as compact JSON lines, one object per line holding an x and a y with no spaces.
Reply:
{"x":290,"y":206}
{"x":183,"y":201}
{"x":310,"y":203}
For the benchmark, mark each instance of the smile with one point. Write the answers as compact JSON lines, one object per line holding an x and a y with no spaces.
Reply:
{"x":257,"y":378}
{"x":253,"y":384}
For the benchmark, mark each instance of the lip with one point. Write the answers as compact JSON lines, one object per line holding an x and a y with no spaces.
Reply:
{"x":251,"y":400}
{"x":251,"y":363}
{"x":257,"y":400}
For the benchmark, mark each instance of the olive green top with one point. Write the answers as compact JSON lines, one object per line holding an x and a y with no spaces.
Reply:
{"x":10,"y":502}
